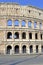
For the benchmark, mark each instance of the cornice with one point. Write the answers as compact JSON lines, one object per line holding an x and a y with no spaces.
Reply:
{"x":35,"y":7}
{"x":14,"y":3}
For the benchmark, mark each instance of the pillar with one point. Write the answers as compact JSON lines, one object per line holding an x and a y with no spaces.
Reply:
{"x":12,"y":23}
{"x":12,"y":48}
{"x":20,"y":49}
{"x":13,"y":35}
{"x":20,"y":35}
{"x":20,"y":23}
{"x":5,"y":35}
{"x":39,"y":38}
{"x":34,"y":49}
{"x":33,"y":35}
{"x":39,"y":48}
{"x":28,"y":50}
{"x":42,"y":27}
{"x":4,"y":51}
{"x":38,"y":25}
{"x":27,"y":35}
{"x":26,"y":23}
{"x":33,"y":24}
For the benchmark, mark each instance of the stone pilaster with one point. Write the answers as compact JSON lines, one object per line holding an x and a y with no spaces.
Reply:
{"x":34,"y":48}
{"x":26,"y":23}
{"x":13,"y":35}
{"x":12,"y":48}
{"x":5,"y":35}
{"x":33,"y":36}
{"x":39,"y":48}
{"x":33,"y":24}
{"x":27,"y":36}
{"x":28,"y":50}
{"x":20,"y":49}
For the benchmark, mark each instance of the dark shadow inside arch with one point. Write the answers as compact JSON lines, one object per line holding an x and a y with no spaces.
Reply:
{"x":36,"y":35}
{"x":16,"y":35}
{"x":23,"y":35}
{"x":42,"y":48}
{"x":41,"y":36}
{"x":36,"y":48}
{"x":9,"y":35}
{"x":30,"y":35}
{"x":31,"y":49}
{"x":24,"y":49}
{"x":9,"y":49}
{"x":16,"y":49}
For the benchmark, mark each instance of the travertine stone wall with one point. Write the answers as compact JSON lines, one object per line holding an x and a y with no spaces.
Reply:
{"x":17,"y":12}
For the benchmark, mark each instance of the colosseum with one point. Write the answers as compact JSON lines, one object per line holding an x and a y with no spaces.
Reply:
{"x":21,"y":29}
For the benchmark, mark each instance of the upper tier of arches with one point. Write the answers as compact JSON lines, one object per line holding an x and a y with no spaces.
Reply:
{"x":24,"y":23}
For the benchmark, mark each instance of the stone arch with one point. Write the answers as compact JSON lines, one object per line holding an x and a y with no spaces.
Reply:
{"x":41,"y":36}
{"x":24,"y":48}
{"x":42,"y":48}
{"x":9,"y":35}
{"x":9,"y":47}
{"x":16,"y":23}
{"x":31,"y":48}
{"x":36,"y":48}
{"x":29,"y":24}
{"x":9,"y":22}
{"x":24,"y":35}
{"x":35,"y":24}
{"x":30,"y":35}
{"x":23,"y":23}
{"x":16,"y":49}
{"x":16,"y":35}
{"x":36,"y":35}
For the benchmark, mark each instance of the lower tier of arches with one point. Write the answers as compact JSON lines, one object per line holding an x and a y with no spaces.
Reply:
{"x":24,"y":49}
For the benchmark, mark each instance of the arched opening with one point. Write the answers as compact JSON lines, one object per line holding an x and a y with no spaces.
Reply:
{"x":9,"y":23}
{"x":42,"y":48}
{"x":30,"y":35}
{"x":29,"y":24}
{"x":23,"y":23}
{"x":16,"y":35}
{"x":23,"y":35}
{"x":9,"y":49}
{"x":41,"y":36}
{"x":36,"y":35}
{"x":35,"y":24}
{"x":24,"y":49}
{"x":16,"y":49}
{"x":9,"y":35}
{"x":36,"y":48}
{"x":16,"y":23}
{"x":31,"y":49}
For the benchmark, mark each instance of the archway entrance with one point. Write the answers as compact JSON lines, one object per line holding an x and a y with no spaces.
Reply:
{"x":16,"y":49}
{"x":9,"y":49}
{"x":16,"y":35}
{"x":42,"y":48}
{"x":36,"y":48}
{"x":24,"y":49}
{"x":9,"y":35}
{"x":31,"y":49}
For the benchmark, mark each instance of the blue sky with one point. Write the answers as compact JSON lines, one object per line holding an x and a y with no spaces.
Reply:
{"x":37,"y":3}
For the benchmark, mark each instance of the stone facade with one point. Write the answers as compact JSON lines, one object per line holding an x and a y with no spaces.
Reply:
{"x":30,"y":43}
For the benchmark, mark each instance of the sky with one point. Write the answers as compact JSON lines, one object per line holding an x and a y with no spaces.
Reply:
{"x":36,"y":3}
